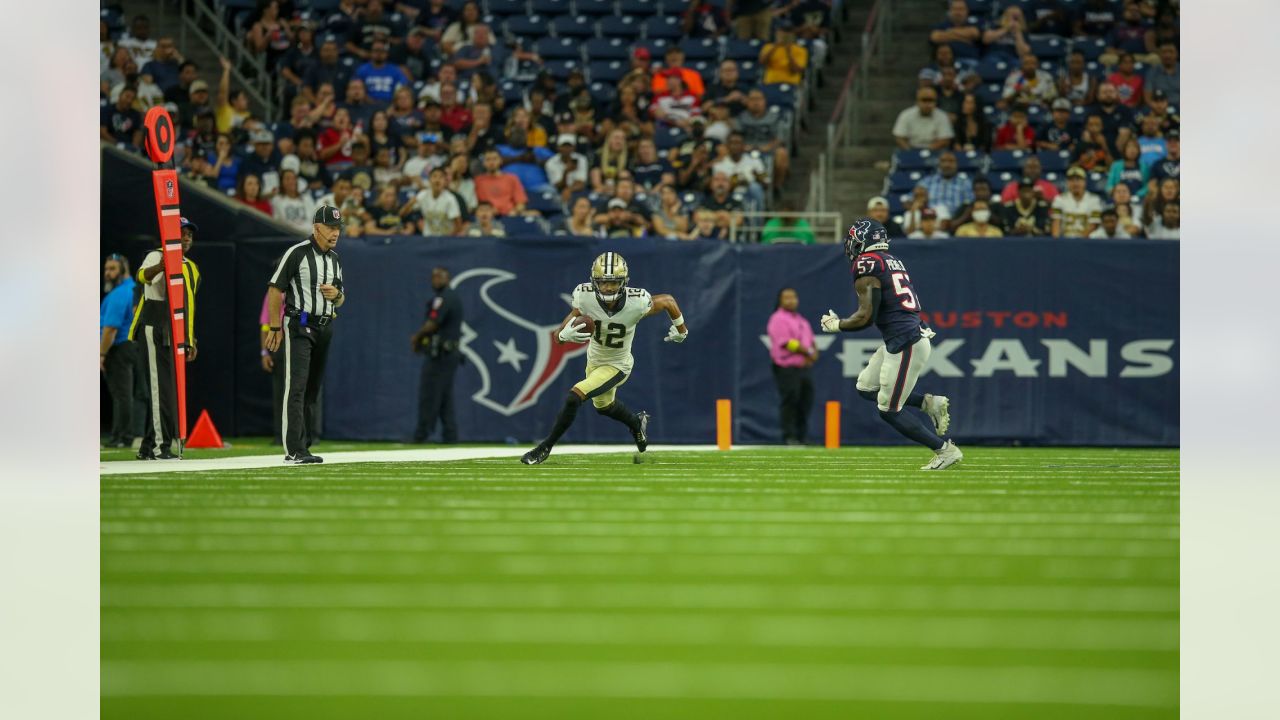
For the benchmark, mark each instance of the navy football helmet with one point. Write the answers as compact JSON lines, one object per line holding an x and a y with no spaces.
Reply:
{"x":864,"y":233}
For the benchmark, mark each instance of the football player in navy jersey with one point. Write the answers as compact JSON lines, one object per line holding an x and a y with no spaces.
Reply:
{"x":887,"y":300}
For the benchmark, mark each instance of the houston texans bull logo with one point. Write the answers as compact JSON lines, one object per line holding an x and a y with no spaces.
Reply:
{"x":538,"y":340}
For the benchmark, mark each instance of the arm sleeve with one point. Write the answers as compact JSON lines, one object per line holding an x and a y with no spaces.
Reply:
{"x":287,"y":268}
{"x":153,"y":258}
{"x":264,"y":318}
{"x":117,"y":314}
{"x":900,"y":125}
{"x":555,"y":171}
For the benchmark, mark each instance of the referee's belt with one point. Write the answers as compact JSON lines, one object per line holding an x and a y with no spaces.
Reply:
{"x":305,"y":318}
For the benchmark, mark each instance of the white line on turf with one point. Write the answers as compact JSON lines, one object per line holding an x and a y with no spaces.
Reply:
{"x":252,"y":462}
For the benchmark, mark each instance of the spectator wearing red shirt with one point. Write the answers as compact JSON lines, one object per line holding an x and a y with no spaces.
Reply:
{"x":677,"y":106}
{"x":1030,"y":170}
{"x":334,"y":142}
{"x":1016,"y":134}
{"x":248,"y":190}
{"x":501,"y":190}
{"x":1128,"y":83}
{"x":674,"y":67}
{"x":453,"y":115}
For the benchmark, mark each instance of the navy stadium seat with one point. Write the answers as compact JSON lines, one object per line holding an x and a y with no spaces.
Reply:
{"x":522,"y":226}
{"x":705,"y":68}
{"x":1047,"y":47}
{"x":507,"y":8}
{"x":1054,"y":160}
{"x":511,"y":90}
{"x":603,"y":93}
{"x":1096,"y":183}
{"x":914,"y":159}
{"x":898,"y":203}
{"x":528,"y":27}
{"x":1091,"y":47}
{"x":546,"y":202}
{"x":560,"y":69}
{"x":550,"y":7}
{"x":735,"y":49}
{"x":657,"y":48}
{"x":1000,"y":179}
{"x":989,"y":94}
{"x":904,"y":181}
{"x":608,"y":71}
{"x":666,"y":138}
{"x":1002,"y":160}
{"x":638,"y":9}
{"x":607,"y":49}
{"x":626,"y":27}
{"x":574,"y":26}
{"x":673,"y":7}
{"x":558,"y":48}
{"x":700,"y":48}
{"x":994,"y":68}
{"x":749,"y":72}
{"x":970,"y":161}
{"x":595,"y":8}
{"x":781,"y":94}
{"x":667,"y":27}
{"x":1055,"y":178}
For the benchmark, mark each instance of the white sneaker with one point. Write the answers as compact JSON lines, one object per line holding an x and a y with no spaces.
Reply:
{"x":938,"y":408}
{"x":946,"y":457}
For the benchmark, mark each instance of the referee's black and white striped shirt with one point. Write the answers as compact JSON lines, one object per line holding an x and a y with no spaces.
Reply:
{"x":302,"y":270}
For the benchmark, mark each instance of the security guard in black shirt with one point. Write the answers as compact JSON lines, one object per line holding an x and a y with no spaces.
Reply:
{"x":439,"y":337}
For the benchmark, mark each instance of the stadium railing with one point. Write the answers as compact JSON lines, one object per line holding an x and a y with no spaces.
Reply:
{"x":200,"y":14}
{"x":843,"y":124}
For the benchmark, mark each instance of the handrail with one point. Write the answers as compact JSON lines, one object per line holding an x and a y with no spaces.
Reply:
{"x":842,"y":125}
{"x":225,"y":44}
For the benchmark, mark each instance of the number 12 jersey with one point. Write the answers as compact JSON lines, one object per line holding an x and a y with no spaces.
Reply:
{"x":899,"y":316}
{"x":611,"y":343}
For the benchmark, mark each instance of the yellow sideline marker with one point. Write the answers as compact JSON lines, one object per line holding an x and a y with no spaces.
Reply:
{"x":833,"y":424}
{"x":724,"y":427}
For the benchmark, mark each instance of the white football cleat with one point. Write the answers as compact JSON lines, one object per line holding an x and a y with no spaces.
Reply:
{"x":938,"y":408}
{"x":944,"y":458}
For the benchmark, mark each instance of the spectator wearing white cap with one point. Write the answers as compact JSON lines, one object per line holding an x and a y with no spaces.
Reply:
{"x":567,"y":169}
{"x":615,"y":223}
{"x":1076,"y":212}
{"x":263,"y":161}
{"x":878,"y":210}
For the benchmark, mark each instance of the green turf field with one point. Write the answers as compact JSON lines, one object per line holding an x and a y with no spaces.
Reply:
{"x":1024,"y":583}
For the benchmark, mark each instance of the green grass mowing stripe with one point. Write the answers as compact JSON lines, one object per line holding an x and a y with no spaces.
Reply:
{"x":496,"y":678}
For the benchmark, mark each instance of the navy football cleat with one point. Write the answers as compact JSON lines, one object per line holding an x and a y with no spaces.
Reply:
{"x":536,"y":456}
{"x":641,"y":436}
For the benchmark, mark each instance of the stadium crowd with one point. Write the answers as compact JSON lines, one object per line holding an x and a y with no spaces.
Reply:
{"x":503,"y":117}
{"x":1041,"y":117}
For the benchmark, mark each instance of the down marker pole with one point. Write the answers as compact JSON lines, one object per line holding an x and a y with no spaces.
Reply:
{"x":833,"y":424}
{"x":724,"y":424}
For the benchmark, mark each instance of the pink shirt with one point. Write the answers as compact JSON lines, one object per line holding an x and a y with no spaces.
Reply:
{"x":265,"y":318}
{"x":785,"y":326}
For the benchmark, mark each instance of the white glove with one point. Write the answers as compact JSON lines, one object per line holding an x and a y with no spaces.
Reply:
{"x":571,"y":333}
{"x":675,"y":336}
{"x":830,"y":322}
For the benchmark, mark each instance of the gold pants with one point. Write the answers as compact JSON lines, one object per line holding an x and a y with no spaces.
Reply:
{"x":601,"y":384}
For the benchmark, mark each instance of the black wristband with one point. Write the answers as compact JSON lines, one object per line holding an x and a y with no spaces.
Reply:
{"x":274,"y":329}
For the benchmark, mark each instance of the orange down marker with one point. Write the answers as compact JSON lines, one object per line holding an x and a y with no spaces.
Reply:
{"x":724,"y":426}
{"x":833,"y":424}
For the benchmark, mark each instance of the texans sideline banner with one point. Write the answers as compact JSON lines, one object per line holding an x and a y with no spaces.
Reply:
{"x":1039,"y":341}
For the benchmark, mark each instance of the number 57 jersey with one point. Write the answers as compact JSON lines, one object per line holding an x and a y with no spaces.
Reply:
{"x":899,"y":316}
{"x":611,"y":343}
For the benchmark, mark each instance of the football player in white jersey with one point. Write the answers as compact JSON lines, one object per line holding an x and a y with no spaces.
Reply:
{"x":616,"y":310}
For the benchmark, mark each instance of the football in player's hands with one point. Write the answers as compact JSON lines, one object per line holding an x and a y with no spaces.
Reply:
{"x":583,"y":324}
{"x":577,"y":329}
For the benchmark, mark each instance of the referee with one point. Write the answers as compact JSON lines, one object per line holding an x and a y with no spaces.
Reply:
{"x":308,"y":282}
{"x":151,"y":329}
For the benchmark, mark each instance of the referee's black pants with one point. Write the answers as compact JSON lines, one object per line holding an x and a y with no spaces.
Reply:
{"x":305,"y":352}
{"x":161,"y":424}
{"x":435,"y":397}
{"x":119,"y":371}
{"x":795,"y":391}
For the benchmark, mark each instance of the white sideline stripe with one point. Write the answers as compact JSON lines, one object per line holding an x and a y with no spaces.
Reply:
{"x":250,"y":462}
